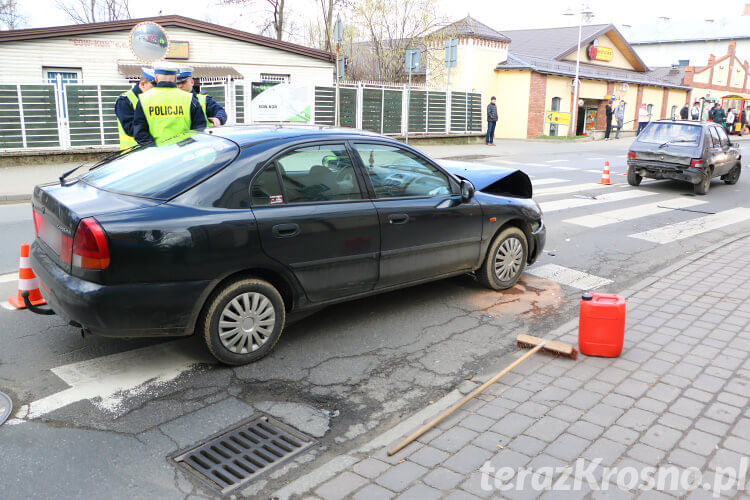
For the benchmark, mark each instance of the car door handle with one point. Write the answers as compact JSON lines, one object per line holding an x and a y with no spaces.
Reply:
{"x":285,"y":230}
{"x":398,"y":219}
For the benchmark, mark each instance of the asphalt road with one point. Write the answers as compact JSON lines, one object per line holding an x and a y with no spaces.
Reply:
{"x":100,"y":417}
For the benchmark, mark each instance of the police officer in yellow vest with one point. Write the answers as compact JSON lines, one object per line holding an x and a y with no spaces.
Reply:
{"x":165,"y":111}
{"x":125,"y":108}
{"x":212,"y":110}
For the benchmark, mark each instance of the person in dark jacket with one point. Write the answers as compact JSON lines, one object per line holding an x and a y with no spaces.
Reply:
{"x":491,"y":122}
{"x":125,"y":108}
{"x":684,"y":112}
{"x":608,"y":112}
{"x":213,"y":111}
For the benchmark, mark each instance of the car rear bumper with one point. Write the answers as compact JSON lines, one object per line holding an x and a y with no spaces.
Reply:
{"x":129,"y":310}
{"x":656,"y":170}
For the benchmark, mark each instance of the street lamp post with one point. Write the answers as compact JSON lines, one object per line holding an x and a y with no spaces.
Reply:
{"x":585,"y":15}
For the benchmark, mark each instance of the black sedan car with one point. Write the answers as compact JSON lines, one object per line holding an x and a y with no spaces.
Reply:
{"x":684,"y":150}
{"x":225,"y":232}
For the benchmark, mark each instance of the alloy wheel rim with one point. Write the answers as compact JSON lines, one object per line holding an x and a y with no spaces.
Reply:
{"x":246,"y":322}
{"x":508,"y":259}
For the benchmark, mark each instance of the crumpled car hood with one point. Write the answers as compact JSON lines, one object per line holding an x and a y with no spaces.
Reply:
{"x":490,"y":179}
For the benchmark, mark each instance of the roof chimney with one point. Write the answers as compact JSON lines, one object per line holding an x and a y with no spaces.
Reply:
{"x":746,"y":12}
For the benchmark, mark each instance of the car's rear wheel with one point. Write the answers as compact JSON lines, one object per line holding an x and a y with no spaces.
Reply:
{"x":633,"y":178}
{"x":703,"y":186}
{"x":733,"y":175}
{"x":505,"y":260}
{"x":243,"y":321}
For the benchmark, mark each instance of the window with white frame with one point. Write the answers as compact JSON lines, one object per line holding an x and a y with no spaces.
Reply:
{"x":270,"y":77}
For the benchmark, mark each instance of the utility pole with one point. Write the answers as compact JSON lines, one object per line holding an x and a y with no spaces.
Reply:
{"x":585,"y":14}
{"x":338,"y":34}
{"x":412,"y":63}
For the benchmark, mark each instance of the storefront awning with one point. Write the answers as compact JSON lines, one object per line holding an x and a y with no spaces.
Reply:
{"x":133,"y":70}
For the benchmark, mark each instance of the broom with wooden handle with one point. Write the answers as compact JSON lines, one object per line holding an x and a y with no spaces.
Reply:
{"x":525,"y":341}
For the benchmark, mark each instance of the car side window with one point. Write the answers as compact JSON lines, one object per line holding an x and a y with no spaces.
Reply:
{"x":723,"y":138}
{"x":266,"y":189}
{"x":318,"y":173}
{"x":398,"y":173}
{"x":715,"y":141}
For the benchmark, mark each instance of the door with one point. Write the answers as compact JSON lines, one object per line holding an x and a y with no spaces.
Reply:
{"x":425,"y":228}
{"x":313,"y":218}
{"x":717,"y":153}
{"x":729,"y":154}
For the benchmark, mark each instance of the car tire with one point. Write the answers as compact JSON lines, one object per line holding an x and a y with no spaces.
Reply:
{"x":251,"y":308}
{"x":633,"y":178}
{"x":505,"y":260}
{"x":733,"y":175}
{"x":704,"y":185}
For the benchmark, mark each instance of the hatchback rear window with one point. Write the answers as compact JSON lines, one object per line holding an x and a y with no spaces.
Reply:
{"x":671,"y":133}
{"x":164,"y":171}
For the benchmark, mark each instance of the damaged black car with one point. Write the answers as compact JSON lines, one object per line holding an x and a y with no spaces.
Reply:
{"x":222,"y":234}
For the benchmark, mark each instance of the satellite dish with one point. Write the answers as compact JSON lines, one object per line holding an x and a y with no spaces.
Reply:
{"x":148,"y":42}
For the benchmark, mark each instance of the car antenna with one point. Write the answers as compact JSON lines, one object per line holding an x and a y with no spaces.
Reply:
{"x":97,"y":164}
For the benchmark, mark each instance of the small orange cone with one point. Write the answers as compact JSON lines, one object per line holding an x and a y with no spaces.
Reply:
{"x":605,"y":175}
{"x":26,"y":281}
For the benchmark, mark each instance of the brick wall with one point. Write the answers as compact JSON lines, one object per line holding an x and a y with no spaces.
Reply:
{"x":664,"y":103}
{"x":638,"y":102}
{"x":601,"y":114}
{"x":537,"y":98}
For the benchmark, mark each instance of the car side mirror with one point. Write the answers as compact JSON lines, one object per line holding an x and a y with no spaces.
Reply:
{"x":467,"y":190}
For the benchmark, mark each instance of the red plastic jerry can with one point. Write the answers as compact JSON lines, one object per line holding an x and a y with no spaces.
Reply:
{"x":601,"y":327}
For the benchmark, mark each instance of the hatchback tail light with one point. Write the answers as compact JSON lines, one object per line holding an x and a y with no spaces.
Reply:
{"x":696,"y":162}
{"x":90,"y":247}
{"x":37,"y":221}
{"x":631,"y":155}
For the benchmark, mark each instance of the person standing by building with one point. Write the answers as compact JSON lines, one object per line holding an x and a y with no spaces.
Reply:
{"x":166,"y":111}
{"x":608,"y":111}
{"x":685,"y":112}
{"x":620,"y":118}
{"x":695,"y":111}
{"x":125,"y":108}
{"x":642,"y":118}
{"x":745,"y":120}
{"x":491,"y":122}
{"x":729,"y":121}
{"x":213,"y":111}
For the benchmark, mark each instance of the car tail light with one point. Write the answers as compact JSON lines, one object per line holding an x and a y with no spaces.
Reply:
{"x":631,"y":155}
{"x":696,"y":162}
{"x":90,"y":248}
{"x":37,"y":221}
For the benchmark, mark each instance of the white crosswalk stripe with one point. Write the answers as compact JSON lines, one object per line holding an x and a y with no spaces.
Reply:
{"x":565,"y":168}
{"x":570,"y":277}
{"x":634,"y":212}
{"x":6,"y":278}
{"x":556,"y":161}
{"x":567,"y":203}
{"x":548,"y":180}
{"x":568,"y":189}
{"x":693,"y":227}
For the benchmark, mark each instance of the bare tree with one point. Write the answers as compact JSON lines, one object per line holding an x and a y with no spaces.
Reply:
{"x":93,"y":11}
{"x":274,"y":22}
{"x":10,"y":19}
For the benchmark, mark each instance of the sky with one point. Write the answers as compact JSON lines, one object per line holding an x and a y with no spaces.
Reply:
{"x":498,"y":14}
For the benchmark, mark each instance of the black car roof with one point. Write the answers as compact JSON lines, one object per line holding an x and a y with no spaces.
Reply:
{"x":246,"y":135}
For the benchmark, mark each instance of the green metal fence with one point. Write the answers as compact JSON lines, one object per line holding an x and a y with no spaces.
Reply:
{"x":91,"y":114}
{"x":28,"y":117}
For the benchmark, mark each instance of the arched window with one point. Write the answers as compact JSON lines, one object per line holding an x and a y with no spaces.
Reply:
{"x":555,"y":107}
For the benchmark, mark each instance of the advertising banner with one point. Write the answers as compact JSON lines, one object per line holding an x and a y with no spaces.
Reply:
{"x":281,"y":102}
{"x":559,"y":117}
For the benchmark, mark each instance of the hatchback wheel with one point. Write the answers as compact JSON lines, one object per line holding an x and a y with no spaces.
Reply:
{"x":733,"y":175}
{"x":703,"y":186}
{"x":505,"y":260}
{"x":633,"y":178}
{"x":243,"y":321}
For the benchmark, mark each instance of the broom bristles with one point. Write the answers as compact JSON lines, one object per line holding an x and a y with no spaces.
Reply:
{"x":524,"y":341}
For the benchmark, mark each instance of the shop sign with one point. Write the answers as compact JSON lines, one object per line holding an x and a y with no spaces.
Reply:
{"x":558,"y":117}
{"x":281,"y":102}
{"x":178,"y":50}
{"x":596,"y":52}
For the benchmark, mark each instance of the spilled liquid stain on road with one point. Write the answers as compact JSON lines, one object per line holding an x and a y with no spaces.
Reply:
{"x":531,"y":297}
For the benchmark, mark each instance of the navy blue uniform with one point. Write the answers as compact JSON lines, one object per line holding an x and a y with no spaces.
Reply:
{"x":214,"y":109}
{"x":124,"y":110}
{"x":140,"y":125}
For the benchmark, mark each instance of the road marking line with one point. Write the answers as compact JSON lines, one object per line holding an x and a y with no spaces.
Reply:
{"x":568,"y":189}
{"x":6,"y":305}
{"x":109,"y":380}
{"x":596,"y":158}
{"x":593,"y":171}
{"x":548,"y":180}
{"x":556,"y":161}
{"x":516,"y":163}
{"x":693,"y":227}
{"x":633,"y":212}
{"x":6,"y":278}
{"x":567,"y":203}
{"x":565,"y":168}
{"x":570,"y":277}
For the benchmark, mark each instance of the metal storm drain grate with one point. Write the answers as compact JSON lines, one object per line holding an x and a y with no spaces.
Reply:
{"x":242,"y":453}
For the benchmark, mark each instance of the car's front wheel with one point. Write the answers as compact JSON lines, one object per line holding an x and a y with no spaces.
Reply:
{"x":733,"y":175}
{"x":703,"y":186}
{"x":633,"y":178}
{"x":505,"y":260}
{"x":243,"y":321}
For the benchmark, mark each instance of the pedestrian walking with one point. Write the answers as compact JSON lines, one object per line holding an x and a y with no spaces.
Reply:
{"x":619,"y":118}
{"x":608,"y":111}
{"x":642,"y":118}
{"x":695,"y":111}
{"x":684,"y":112}
{"x":491,"y":122}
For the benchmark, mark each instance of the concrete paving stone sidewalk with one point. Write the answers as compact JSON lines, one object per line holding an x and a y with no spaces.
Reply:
{"x":677,"y":396}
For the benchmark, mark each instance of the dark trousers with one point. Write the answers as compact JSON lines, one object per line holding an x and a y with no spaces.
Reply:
{"x":609,"y":127}
{"x":641,"y":126}
{"x":490,"y":132}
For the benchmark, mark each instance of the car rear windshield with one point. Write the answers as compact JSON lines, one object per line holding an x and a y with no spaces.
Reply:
{"x":164,"y":171}
{"x":671,"y":133}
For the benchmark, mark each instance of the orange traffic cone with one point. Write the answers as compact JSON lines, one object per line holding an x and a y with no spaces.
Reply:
{"x":26,"y":281}
{"x":605,"y":174}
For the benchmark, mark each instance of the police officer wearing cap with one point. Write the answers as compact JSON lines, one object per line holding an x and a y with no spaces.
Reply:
{"x":165,"y":111}
{"x":213,"y":111}
{"x":125,"y":108}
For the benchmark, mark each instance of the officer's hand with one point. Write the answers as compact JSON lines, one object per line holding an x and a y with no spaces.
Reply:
{"x":215,"y":121}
